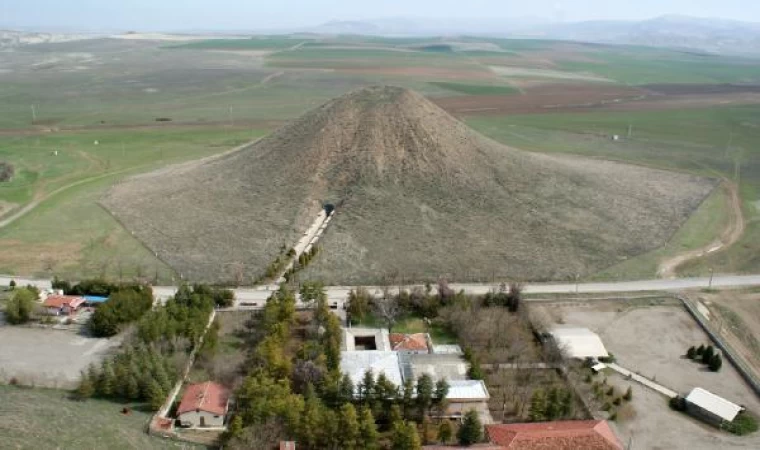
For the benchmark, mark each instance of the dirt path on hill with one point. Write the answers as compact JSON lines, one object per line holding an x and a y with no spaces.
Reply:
{"x":733,"y":231}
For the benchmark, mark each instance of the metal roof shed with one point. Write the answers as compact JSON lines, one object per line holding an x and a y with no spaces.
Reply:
{"x":713,"y":404}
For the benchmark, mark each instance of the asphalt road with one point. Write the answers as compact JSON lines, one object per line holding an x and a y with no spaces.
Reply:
{"x":339,"y":294}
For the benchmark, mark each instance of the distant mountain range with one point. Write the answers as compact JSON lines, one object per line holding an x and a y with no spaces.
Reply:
{"x":713,"y":35}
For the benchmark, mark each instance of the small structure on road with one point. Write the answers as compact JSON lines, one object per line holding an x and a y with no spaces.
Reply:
{"x":711,"y":408}
{"x":203,"y":405}
{"x":579,"y":343}
{"x":62,"y":304}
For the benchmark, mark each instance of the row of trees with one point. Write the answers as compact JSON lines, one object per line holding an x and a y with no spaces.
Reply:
{"x":145,"y":369}
{"x":706,"y":355}
{"x":139,"y":373}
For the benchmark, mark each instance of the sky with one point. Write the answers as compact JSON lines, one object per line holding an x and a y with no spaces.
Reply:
{"x":170,"y":15}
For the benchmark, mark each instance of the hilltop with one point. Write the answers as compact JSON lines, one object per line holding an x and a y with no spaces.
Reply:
{"x":418,"y":194}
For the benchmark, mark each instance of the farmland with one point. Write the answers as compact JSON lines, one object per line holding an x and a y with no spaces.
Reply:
{"x":151,"y":103}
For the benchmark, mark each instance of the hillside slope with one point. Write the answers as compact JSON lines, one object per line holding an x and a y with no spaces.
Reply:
{"x":419,"y":193}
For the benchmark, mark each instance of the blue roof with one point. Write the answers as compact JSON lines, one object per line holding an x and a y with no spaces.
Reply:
{"x":95,"y":298}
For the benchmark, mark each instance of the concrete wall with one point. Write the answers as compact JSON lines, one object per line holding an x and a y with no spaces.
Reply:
{"x":193,"y":419}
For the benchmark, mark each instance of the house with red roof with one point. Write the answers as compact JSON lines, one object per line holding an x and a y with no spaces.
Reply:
{"x":62,"y":304}
{"x":203,"y":405}
{"x":560,"y":435}
{"x":415,"y":343}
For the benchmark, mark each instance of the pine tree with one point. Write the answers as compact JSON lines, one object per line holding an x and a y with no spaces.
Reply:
{"x":553,"y":404}
{"x":566,"y":402}
{"x":367,"y":430}
{"x":328,"y":430}
{"x":407,"y":396}
{"x":701,"y":350}
{"x":310,"y":419}
{"x":156,"y":396}
{"x":691,"y":353}
{"x":537,"y":406}
{"x":346,"y":389}
{"x":348,"y":424}
{"x":708,"y":354}
{"x":367,"y":387}
{"x":236,"y":427}
{"x":628,"y":394}
{"x":395,"y":416}
{"x":107,"y":380}
{"x":715,"y":363}
{"x":132,"y":388}
{"x":405,"y":437}
{"x":471,"y":430}
{"x":86,"y":387}
{"x":425,"y":389}
{"x":445,"y":432}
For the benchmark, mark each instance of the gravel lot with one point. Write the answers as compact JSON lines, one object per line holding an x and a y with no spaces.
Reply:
{"x":49,"y":358}
{"x":651,"y":341}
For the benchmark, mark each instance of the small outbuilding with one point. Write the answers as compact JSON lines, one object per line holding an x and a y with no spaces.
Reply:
{"x":203,"y":405}
{"x":580,"y":343}
{"x":711,"y":408}
{"x":365,"y":339}
{"x":416,"y":343}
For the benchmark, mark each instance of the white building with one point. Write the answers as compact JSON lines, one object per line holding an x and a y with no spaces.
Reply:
{"x":356,"y":363}
{"x":579,"y":343}
{"x":710,"y":407}
{"x":204,"y":405}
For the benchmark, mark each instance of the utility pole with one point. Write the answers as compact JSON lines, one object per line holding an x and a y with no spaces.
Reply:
{"x":34,"y":114}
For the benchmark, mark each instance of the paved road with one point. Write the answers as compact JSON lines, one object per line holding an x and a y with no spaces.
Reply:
{"x":338,"y":294}
{"x":669,"y":393}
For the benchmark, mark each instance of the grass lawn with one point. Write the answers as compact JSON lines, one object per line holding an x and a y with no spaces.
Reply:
{"x":46,"y":418}
{"x":255,"y":43}
{"x":439,"y":333}
{"x":69,"y":233}
{"x":694,"y":141}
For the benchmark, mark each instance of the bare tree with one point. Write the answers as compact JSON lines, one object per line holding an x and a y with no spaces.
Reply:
{"x":388,"y":308}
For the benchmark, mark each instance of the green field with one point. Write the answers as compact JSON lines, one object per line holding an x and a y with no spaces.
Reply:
{"x":68,"y":233}
{"x":254,"y":43}
{"x":695,"y":141}
{"x":47,"y":418}
{"x":475,"y":89}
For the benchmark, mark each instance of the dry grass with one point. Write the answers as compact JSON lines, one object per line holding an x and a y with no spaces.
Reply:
{"x":419,"y":195}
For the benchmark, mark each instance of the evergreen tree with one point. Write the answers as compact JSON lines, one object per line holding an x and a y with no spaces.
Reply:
{"x":310,"y":419}
{"x":328,"y":430}
{"x":107,"y":380}
{"x":405,"y":437}
{"x":367,"y":387}
{"x":628,"y":394}
{"x":566,"y":403}
{"x":445,"y":432}
{"x":441,"y":391}
{"x":156,"y":396}
{"x":701,"y":350}
{"x":425,"y":389}
{"x":471,"y":430}
{"x":715,"y":363}
{"x":86,"y":387}
{"x":346,"y":393}
{"x":708,"y":354}
{"x":367,"y":430}
{"x":407,"y":397}
{"x":395,"y":416}
{"x":348,"y":426}
{"x":692,"y":352}
{"x":236,"y":427}
{"x":537,"y":411}
{"x":553,"y":404}
{"x":132,"y":388}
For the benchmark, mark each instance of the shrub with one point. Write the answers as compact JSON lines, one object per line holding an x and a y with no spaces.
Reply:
{"x":12,"y":284}
{"x":6,"y":171}
{"x":715,"y":363}
{"x":628,"y":394}
{"x":677,"y":403}
{"x":606,"y":406}
{"x":617,"y":401}
{"x":611,"y":391}
{"x":743,"y":423}
{"x":19,"y":308}
{"x":471,"y":430}
{"x":613,"y":416}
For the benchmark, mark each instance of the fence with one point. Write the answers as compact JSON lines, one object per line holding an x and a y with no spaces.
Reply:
{"x":746,"y":372}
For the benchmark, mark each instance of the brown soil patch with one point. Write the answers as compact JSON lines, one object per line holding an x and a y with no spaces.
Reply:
{"x":6,"y":207}
{"x":426,"y":72}
{"x":546,"y":98}
{"x":26,"y":257}
{"x":701,"y":89}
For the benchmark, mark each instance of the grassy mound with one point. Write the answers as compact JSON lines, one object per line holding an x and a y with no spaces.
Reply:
{"x":419,"y":194}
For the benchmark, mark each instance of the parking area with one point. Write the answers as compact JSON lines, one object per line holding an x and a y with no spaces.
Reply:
{"x":48,"y":357}
{"x":651,"y":338}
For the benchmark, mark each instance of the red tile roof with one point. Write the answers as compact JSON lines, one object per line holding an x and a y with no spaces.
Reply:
{"x":209,"y":397}
{"x":413,"y":342}
{"x":562,"y":435}
{"x":59,"y":301}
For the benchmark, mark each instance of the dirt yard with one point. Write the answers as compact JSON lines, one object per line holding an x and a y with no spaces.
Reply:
{"x":736,"y":314}
{"x":652,"y":340}
{"x":46,"y":357}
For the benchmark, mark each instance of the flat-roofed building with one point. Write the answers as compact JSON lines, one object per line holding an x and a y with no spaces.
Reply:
{"x":711,"y":408}
{"x":579,"y":343}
